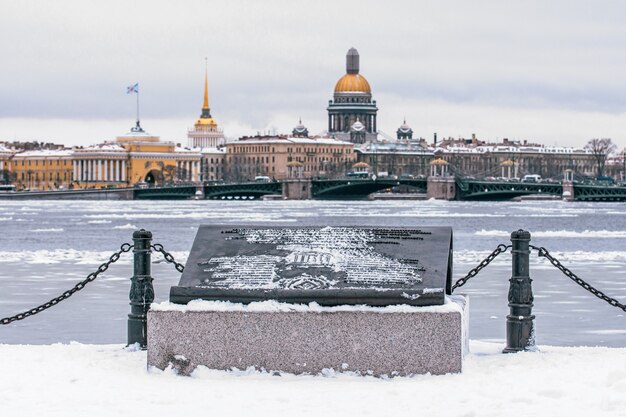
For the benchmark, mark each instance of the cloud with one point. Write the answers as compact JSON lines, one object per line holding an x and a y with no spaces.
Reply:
{"x":547,"y":70}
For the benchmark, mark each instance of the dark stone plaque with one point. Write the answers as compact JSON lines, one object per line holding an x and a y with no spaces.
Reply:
{"x":327,"y":265}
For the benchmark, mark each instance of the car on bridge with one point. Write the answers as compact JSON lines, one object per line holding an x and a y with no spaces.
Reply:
{"x":532,"y":178}
{"x":357,"y":175}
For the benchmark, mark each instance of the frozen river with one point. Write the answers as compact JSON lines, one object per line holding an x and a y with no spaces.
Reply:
{"x":48,"y":246}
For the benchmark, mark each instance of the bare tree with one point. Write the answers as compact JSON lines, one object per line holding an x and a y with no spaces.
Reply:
{"x":601,"y":149}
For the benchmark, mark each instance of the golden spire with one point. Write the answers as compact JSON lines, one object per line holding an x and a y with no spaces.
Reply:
{"x":206,"y":86}
{"x":205,"y":118}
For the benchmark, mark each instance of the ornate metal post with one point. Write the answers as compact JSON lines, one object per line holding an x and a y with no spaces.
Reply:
{"x":520,"y":332}
{"x":141,"y":290}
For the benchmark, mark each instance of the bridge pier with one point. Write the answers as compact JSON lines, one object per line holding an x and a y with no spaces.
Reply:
{"x":200,"y":192}
{"x":568,"y":190}
{"x":297,"y":189}
{"x":568,"y":185}
{"x":441,"y":188}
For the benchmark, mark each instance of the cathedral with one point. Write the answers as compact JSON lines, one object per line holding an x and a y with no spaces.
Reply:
{"x":352,"y":112}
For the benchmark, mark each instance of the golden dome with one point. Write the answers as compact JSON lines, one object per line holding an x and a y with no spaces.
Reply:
{"x":209,"y":121}
{"x":353,"y":83}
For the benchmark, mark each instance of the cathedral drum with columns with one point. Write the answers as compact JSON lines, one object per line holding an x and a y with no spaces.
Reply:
{"x":352,"y":104}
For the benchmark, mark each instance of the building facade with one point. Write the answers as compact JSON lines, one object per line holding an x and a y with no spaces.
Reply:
{"x":6,"y":173}
{"x":282,"y":157}
{"x":42,"y":169}
{"x":478,"y":160}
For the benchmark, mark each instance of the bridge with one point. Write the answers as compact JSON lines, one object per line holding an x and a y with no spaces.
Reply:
{"x":472,"y":189}
{"x":360,"y":188}
{"x":355,"y":188}
{"x":183,"y":192}
{"x":320,"y":188}
{"x":588,"y":192}
{"x":479,"y":189}
{"x":244,"y":189}
{"x":349,"y":188}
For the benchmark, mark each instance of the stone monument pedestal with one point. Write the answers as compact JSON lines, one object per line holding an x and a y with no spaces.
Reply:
{"x":392,"y":340}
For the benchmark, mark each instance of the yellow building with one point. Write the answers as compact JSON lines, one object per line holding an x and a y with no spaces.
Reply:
{"x":42,"y":169}
{"x":6,"y":175}
{"x":136,"y":157}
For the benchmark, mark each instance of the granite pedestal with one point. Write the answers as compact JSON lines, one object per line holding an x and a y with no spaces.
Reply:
{"x":393,"y":340}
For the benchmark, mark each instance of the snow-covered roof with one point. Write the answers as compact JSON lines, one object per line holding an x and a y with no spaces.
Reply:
{"x":181,"y":149}
{"x":213,"y":150}
{"x":45,"y":153}
{"x":104,"y":147}
{"x":313,"y":140}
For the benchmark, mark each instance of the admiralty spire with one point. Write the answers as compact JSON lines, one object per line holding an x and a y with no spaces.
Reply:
{"x":205,"y":132}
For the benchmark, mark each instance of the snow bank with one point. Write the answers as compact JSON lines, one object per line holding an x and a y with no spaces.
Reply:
{"x":90,"y":380}
{"x":273,"y":306}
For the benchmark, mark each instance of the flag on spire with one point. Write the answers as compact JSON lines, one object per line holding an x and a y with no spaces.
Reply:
{"x":132,"y":89}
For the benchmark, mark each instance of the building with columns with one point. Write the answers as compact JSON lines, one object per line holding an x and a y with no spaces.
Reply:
{"x":135,"y":157}
{"x":352,"y":102}
{"x":100,"y":165}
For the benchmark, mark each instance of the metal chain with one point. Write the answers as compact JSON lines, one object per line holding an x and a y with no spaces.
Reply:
{"x":67,"y":294}
{"x":543,"y":252}
{"x":501,"y":248}
{"x":168,"y":257}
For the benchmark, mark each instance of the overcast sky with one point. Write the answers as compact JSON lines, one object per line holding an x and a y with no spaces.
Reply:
{"x":553,"y":72}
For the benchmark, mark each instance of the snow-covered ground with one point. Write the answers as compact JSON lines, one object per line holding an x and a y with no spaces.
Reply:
{"x":109,"y":380}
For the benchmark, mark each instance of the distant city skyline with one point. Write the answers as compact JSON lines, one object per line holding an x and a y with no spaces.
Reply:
{"x":550,"y":73}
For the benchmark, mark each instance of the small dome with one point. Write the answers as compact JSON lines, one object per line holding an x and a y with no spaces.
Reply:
{"x":404,"y":127}
{"x":300,"y":130}
{"x":353,"y":83}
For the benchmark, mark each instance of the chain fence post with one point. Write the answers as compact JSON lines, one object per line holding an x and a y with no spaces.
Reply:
{"x":520,"y":328}
{"x":141,"y":290}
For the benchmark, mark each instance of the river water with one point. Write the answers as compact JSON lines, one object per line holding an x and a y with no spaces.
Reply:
{"x":48,"y":246}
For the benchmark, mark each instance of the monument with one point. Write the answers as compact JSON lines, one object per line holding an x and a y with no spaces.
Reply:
{"x":303,"y":299}
{"x":326,"y":265}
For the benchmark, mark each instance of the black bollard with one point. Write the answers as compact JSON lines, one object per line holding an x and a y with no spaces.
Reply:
{"x":520,"y":332}
{"x":141,"y":290}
